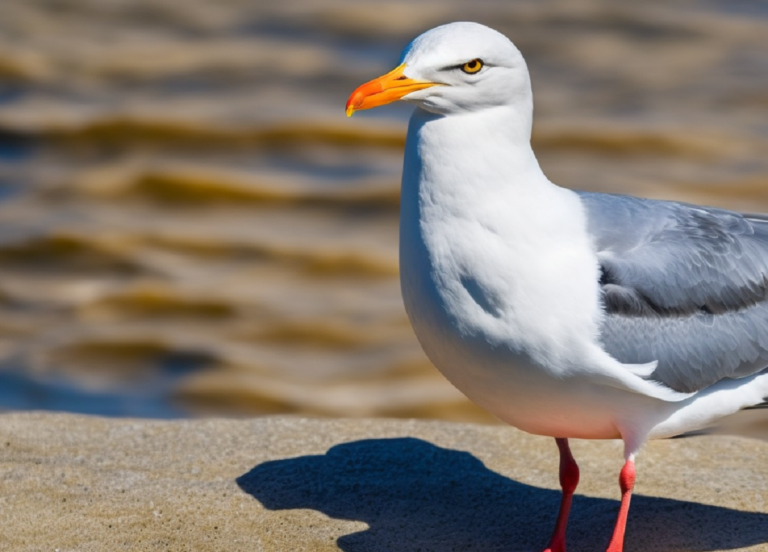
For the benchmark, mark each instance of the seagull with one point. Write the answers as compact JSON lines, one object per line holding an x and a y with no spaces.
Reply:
{"x":563,"y":313}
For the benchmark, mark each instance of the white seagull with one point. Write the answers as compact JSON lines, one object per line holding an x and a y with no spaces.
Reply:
{"x":563,"y":313}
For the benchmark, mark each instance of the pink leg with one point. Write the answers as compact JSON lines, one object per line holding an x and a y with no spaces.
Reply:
{"x":569,"y":478}
{"x":627,"y":483}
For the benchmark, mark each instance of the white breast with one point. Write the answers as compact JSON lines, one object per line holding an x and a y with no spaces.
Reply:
{"x":498,"y":275}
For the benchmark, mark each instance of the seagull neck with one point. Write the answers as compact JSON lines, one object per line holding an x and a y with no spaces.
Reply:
{"x":490,"y":148}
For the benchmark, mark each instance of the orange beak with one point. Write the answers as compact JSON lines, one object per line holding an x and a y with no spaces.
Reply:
{"x":386,"y":89}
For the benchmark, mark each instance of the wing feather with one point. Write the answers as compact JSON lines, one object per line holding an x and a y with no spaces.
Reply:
{"x":683,"y":285}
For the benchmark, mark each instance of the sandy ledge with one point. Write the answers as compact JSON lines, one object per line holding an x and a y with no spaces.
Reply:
{"x":77,"y":483}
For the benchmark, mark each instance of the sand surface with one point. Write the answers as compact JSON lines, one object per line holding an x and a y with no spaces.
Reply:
{"x":75,"y":483}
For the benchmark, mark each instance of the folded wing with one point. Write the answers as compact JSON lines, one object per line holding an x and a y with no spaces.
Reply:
{"x":684,"y":285}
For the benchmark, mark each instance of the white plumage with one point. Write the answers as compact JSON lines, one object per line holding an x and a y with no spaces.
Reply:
{"x":528,"y":297}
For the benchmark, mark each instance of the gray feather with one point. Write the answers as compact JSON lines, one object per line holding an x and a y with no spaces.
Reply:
{"x":684,"y":285}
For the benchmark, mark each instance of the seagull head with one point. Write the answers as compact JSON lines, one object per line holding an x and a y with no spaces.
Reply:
{"x":455,"y":68}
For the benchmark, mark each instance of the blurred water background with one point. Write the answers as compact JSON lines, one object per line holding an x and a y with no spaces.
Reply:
{"x":189,"y":225}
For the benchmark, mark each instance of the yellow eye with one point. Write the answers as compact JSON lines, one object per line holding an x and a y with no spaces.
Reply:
{"x":472,"y":67}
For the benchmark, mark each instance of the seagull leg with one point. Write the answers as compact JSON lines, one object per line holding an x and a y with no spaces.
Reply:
{"x":569,"y":478}
{"x":627,"y":483}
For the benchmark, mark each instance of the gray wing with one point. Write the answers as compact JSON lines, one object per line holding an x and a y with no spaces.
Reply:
{"x":684,"y":285}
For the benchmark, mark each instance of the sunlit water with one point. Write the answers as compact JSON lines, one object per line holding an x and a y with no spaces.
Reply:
{"x":190,"y":225}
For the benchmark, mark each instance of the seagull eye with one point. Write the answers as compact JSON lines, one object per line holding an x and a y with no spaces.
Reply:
{"x":472,"y":67}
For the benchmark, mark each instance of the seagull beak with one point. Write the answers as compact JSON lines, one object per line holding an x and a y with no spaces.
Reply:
{"x":383,"y":90}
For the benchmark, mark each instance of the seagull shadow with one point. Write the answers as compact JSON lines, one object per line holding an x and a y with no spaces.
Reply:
{"x":418,"y":497}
